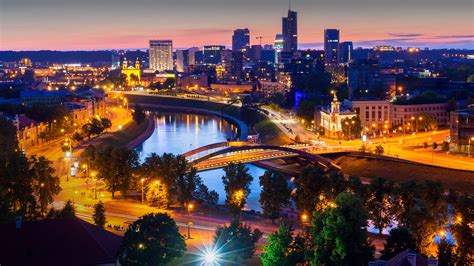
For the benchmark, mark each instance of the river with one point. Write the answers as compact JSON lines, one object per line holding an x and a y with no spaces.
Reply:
{"x":181,"y":132}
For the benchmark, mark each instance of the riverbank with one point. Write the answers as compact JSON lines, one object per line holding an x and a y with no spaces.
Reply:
{"x":131,"y":135}
{"x":254,"y":121}
{"x":459,"y":180}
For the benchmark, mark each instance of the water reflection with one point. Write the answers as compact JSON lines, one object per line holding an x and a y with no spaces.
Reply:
{"x":180,"y":132}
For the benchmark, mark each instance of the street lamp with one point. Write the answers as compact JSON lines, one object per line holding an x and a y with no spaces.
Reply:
{"x":190,"y":207}
{"x":143,"y":196}
{"x":469,"y":147}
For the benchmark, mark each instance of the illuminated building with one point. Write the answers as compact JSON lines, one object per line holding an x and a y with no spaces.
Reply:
{"x":290,"y":31}
{"x":133,"y":73}
{"x":212,"y":54}
{"x":331,"y":118}
{"x":344,"y":52}
{"x":182,"y":60}
{"x":25,"y":62}
{"x":241,"y":40}
{"x":279,"y":40}
{"x":161,"y":55}
{"x":462,"y":130}
{"x":331,"y":43}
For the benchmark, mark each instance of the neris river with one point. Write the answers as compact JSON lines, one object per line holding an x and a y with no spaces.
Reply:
{"x":178,"y":133}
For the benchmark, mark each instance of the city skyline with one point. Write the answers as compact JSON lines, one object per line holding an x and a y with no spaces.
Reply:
{"x":98,"y":25}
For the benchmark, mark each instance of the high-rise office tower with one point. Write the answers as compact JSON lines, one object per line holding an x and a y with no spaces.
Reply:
{"x":212,"y":54}
{"x":241,"y":40}
{"x":331,"y":43}
{"x":290,"y":31}
{"x":192,"y":55}
{"x":279,"y":41}
{"x":182,"y":60}
{"x":344,"y":52}
{"x":161,"y":55}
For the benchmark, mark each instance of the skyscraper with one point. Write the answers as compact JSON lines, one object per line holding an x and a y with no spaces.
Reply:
{"x":279,"y":41}
{"x":331,"y":43}
{"x":182,"y":60}
{"x":212,"y":54}
{"x":344,"y":52}
{"x":290,"y":32}
{"x":161,"y":55}
{"x":241,"y":40}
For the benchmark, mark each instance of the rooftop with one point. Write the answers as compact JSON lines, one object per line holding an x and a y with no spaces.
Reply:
{"x":61,"y":241}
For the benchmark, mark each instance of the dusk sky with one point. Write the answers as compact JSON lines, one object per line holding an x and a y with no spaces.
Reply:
{"x":121,"y":24}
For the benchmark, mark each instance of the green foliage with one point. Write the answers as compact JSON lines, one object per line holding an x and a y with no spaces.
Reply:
{"x":315,"y":190}
{"x":99,"y":215}
{"x":340,"y":233}
{"x":138,"y":114}
{"x":96,"y":127}
{"x":275,"y":193}
{"x":282,"y":249}
{"x":351,"y":127}
{"x":154,"y":239}
{"x":8,"y":140}
{"x":67,"y":211}
{"x":381,"y":203}
{"x":45,"y":184}
{"x":236,"y":241}
{"x":178,"y":177}
{"x":446,"y":255}
{"x":423,"y":210}
{"x":115,"y":166}
{"x":379,"y":150}
{"x":237,"y":186}
{"x":445,"y":146}
{"x":463,"y":215}
{"x":306,"y":110}
{"x":399,"y":240}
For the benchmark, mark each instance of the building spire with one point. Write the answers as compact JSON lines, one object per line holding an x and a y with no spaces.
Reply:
{"x":289,"y":5}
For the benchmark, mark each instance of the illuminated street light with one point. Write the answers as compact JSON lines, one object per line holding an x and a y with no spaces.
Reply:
{"x":190,"y":207}
{"x":471,"y":139}
{"x":210,"y":257}
{"x":143,"y":195}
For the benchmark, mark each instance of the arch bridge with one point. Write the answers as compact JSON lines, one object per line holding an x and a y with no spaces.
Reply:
{"x":245,"y":152}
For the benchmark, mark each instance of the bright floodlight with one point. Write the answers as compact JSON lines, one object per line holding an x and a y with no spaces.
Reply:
{"x":210,"y":258}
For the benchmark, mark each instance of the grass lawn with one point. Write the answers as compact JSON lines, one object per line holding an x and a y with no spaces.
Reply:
{"x":462,"y":181}
{"x":128,"y":133}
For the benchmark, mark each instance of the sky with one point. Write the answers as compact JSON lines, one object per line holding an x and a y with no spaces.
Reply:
{"x":129,"y":24}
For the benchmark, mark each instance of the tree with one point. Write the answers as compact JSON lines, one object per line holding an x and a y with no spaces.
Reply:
{"x":204,"y":195}
{"x":311,"y":187}
{"x":99,"y":215}
{"x":115,"y":166}
{"x":435,"y":145}
{"x":446,"y":255}
{"x":305,"y":110}
{"x":340,"y":233}
{"x":157,"y":194}
{"x":153,"y":239}
{"x":186,"y":183}
{"x":77,"y":137}
{"x":381,"y":203}
{"x":67,"y":211}
{"x":106,"y":123}
{"x":237,"y":186}
{"x":445,"y":146}
{"x":236,"y":241}
{"x":275,"y":194}
{"x":279,"y":250}
{"x":351,"y":127}
{"x":463,"y":213}
{"x":45,"y":184}
{"x":379,"y":150}
{"x":423,"y":210}
{"x":400,"y":239}
{"x":138,"y":114}
{"x":8,"y":140}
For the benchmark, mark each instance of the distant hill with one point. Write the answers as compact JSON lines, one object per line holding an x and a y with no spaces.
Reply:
{"x":66,"y":57}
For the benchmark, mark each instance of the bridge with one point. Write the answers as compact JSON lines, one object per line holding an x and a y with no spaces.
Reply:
{"x":220,"y":154}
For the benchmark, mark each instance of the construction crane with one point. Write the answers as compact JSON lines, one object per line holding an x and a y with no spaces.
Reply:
{"x":261,"y":37}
